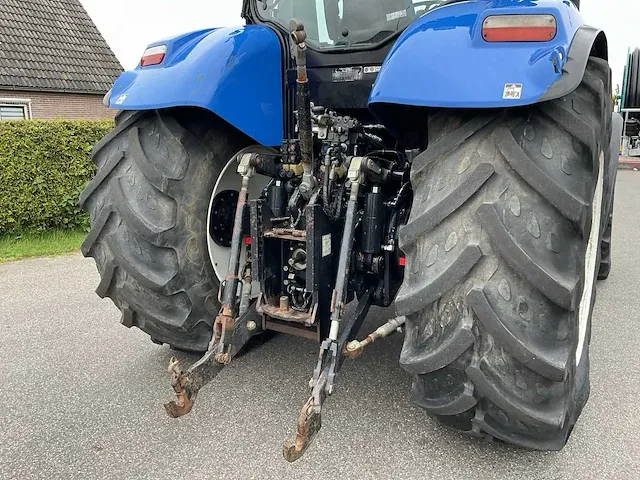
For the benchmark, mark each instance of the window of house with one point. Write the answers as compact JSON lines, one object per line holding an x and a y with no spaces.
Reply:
{"x":14,"y":110}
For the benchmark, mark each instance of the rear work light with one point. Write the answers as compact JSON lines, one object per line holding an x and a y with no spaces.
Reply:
{"x":153,"y":56}
{"x":519,"y":28}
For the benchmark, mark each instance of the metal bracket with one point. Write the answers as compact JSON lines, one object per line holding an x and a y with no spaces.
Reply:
{"x":247,"y":165}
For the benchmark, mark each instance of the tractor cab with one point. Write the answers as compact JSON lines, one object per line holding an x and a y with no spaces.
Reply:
{"x":343,"y":24}
{"x":347,"y":42}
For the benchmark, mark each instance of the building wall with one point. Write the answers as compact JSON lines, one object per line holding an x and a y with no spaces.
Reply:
{"x":72,"y":106}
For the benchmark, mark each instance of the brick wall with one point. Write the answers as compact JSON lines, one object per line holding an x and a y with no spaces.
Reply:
{"x":71,"y":106}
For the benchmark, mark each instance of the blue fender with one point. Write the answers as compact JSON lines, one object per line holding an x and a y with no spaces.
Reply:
{"x":234,"y":72}
{"x":442,"y":60}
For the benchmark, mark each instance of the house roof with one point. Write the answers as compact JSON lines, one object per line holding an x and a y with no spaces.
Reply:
{"x":53,"y":45}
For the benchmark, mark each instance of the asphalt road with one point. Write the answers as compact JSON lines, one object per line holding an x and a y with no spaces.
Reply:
{"x":82,"y":396}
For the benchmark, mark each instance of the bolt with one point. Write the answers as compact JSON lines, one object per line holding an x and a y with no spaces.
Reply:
{"x":354,"y":349}
{"x":251,"y":325}
{"x":352,"y":346}
{"x":223,"y":358}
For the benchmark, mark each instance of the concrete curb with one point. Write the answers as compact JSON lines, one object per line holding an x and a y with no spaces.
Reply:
{"x":629,"y":163}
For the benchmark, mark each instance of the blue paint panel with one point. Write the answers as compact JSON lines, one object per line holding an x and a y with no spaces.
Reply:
{"x":233,"y":72}
{"x":441,"y":60}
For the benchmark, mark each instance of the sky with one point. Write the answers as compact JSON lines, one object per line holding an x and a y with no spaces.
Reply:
{"x":130,"y":25}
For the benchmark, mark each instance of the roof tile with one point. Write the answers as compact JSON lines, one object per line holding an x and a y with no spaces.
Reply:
{"x":53,"y":45}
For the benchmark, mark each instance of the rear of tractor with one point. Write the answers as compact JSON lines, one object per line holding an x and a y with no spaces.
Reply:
{"x":453,"y":159}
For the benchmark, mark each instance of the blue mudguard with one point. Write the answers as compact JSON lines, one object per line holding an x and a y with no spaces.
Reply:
{"x":441,"y":60}
{"x":234,"y":72}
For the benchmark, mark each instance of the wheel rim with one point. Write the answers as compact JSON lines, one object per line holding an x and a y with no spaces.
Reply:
{"x":221,"y":214}
{"x":591,"y":262}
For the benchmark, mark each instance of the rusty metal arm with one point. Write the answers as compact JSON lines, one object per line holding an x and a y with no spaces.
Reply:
{"x":332,"y":349}
{"x":329,"y":362}
{"x":232,"y":329}
{"x":187,"y":384}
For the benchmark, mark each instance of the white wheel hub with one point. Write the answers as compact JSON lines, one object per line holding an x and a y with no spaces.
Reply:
{"x":228,"y":181}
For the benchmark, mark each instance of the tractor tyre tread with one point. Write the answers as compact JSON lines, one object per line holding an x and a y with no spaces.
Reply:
{"x":148,"y":204}
{"x":495,"y":248}
{"x":605,"y":251}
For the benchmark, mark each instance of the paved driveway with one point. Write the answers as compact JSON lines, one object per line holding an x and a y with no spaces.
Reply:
{"x":82,"y":395}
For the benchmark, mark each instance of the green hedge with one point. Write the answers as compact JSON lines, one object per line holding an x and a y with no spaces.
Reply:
{"x":44,"y":166}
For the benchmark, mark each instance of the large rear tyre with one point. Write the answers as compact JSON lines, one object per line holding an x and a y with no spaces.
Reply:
{"x":148,"y":205}
{"x":502,"y":253}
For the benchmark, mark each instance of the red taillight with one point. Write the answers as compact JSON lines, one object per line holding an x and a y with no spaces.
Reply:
{"x":519,"y":28}
{"x":153,"y":56}
{"x":402,"y":261}
{"x":247,"y":240}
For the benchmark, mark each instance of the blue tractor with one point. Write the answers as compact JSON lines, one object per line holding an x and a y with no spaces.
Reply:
{"x":453,"y":160}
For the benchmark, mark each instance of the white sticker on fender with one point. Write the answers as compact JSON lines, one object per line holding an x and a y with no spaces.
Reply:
{"x":512,"y":91}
